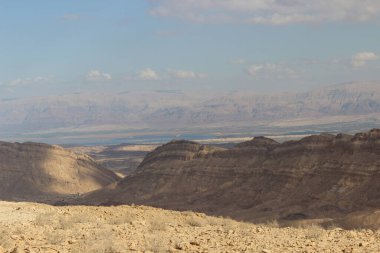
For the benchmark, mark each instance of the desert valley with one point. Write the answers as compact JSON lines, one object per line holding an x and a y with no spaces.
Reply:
{"x":155,"y":126}
{"x":316,"y":194}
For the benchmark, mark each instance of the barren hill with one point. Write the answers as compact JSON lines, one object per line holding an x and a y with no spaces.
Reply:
{"x":321,"y":177}
{"x":40,"y":172}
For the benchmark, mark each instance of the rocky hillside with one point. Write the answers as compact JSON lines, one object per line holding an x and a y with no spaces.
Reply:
{"x":322,"y":177}
{"x":40,"y":172}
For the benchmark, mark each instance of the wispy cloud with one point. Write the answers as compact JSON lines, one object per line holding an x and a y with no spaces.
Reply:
{"x":148,"y":74}
{"x":273,"y":12}
{"x":272,"y":71}
{"x":27,"y":81}
{"x":98,"y":76}
{"x":185,"y":74}
{"x":361,"y":59}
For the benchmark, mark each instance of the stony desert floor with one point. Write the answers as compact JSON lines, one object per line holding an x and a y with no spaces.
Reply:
{"x":27,"y":227}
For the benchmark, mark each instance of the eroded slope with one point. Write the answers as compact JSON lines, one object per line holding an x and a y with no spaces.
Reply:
{"x":324,"y":177}
{"x":40,"y":172}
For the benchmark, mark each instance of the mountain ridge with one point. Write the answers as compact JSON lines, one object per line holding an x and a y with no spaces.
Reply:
{"x":325,"y":177}
{"x":156,"y":111}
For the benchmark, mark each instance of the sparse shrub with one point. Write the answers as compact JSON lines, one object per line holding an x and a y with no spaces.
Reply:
{"x":330,"y":225}
{"x":5,"y":239}
{"x":61,"y":221}
{"x":95,"y":247}
{"x":119,"y":220}
{"x":272,"y":224}
{"x":215,"y":221}
{"x":55,"y":237}
{"x":102,"y":240}
{"x":45,"y":219}
{"x":245,"y":225}
{"x":313,"y":232}
{"x":196,"y":221}
{"x":68,"y":222}
{"x":230,"y":224}
{"x":158,"y":224}
{"x":103,"y":248}
{"x":157,"y":242}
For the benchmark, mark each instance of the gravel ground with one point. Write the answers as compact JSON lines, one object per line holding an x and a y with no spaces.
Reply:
{"x":27,"y":227}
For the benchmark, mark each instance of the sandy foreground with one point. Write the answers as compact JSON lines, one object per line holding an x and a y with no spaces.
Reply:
{"x":29,"y":227}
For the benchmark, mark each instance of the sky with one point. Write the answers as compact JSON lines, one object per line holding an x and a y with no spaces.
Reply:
{"x":50,"y":47}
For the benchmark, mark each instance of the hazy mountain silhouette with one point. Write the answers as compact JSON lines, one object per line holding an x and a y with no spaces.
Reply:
{"x":160,"y":110}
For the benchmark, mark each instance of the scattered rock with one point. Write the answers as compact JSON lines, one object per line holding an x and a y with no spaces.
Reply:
{"x":84,"y":234}
{"x":17,"y":250}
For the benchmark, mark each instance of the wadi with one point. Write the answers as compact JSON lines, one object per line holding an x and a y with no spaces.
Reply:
{"x":316,"y":194}
{"x":218,"y":126}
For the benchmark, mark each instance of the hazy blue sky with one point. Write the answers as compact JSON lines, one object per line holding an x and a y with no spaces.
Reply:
{"x":61,"y":46}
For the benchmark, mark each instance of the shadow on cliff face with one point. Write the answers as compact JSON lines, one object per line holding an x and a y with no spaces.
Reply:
{"x":43,"y":173}
{"x":323,"y":179}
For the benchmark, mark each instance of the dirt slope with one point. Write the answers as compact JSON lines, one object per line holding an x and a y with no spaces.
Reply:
{"x":40,"y":172}
{"x":324,"y":177}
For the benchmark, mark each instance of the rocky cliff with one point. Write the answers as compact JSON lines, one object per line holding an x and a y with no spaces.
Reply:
{"x":326,"y":177}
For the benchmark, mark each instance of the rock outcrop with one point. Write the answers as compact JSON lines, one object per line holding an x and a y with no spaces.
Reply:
{"x":41,"y":172}
{"x":319,"y":177}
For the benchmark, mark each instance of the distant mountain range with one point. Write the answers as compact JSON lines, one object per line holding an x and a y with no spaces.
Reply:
{"x":162,"y":111}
